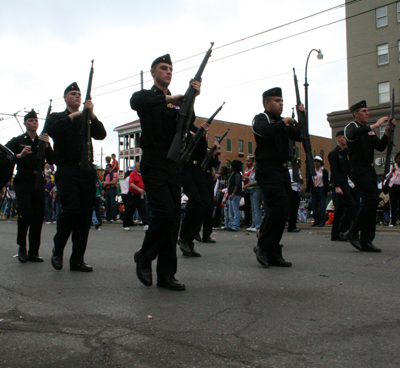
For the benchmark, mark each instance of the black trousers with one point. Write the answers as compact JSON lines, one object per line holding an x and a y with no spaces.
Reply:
{"x":294,"y":201}
{"x":364,"y":178}
{"x":274,"y":181}
{"x":162,"y":180}
{"x":208,"y":211}
{"x":344,"y":212}
{"x":247,"y":209}
{"x":31,"y":208}
{"x":194,"y":187}
{"x":394,"y":195}
{"x":77,"y":191}
{"x":134,"y":201}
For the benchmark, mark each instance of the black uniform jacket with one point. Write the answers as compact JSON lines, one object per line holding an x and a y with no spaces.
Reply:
{"x":27,"y":167}
{"x":362,"y":141}
{"x":340,"y":167}
{"x":157,"y":119}
{"x":272,"y":138}
{"x":67,"y":136}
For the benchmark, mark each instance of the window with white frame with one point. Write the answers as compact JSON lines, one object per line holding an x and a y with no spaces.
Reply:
{"x":383,"y":54}
{"x":384,"y":92}
{"x":381,"y":17}
{"x":398,"y":12}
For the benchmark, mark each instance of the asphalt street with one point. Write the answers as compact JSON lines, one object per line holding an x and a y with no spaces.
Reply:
{"x":336,"y":307}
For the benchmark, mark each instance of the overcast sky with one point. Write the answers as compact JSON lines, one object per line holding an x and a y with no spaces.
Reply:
{"x":46,"y":45}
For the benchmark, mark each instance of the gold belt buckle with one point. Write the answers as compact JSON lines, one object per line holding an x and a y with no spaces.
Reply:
{"x":285,"y":164}
{"x":194,"y":162}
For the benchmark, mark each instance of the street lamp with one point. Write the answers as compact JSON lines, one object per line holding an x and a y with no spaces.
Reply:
{"x":319,"y":57}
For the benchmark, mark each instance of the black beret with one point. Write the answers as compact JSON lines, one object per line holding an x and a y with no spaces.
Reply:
{"x":162,"y":59}
{"x":358,"y":105}
{"x":340,"y":132}
{"x":30,"y":115}
{"x":276,"y":91}
{"x":72,"y":87}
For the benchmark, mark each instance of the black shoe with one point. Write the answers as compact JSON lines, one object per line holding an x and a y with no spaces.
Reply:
{"x":230,"y":229}
{"x":197,"y":238}
{"x":209,"y":240}
{"x":322,"y":224}
{"x":261,"y":256}
{"x":143,"y":269}
{"x":369,"y":247}
{"x":97,"y":226}
{"x":341,"y":237}
{"x":170,"y":283}
{"x":279,"y":262}
{"x":295,"y":230}
{"x":195,"y":254}
{"x":35,"y":259}
{"x":82,"y":267}
{"x":187,"y":249}
{"x":353,"y":239}
{"x":57,"y":262}
{"x":22,"y":256}
{"x":314,"y":224}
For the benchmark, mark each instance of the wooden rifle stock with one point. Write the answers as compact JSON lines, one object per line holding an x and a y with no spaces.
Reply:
{"x":41,"y":152}
{"x":210,"y":153}
{"x":185,"y":115}
{"x":391,"y":138}
{"x":305,"y":137}
{"x":87,"y":149}
{"x":196,"y":138}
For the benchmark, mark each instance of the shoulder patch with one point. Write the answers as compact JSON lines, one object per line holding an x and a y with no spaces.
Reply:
{"x":371,"y":132}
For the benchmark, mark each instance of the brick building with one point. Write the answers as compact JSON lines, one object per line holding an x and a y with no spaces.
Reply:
{"x":237,"y":145}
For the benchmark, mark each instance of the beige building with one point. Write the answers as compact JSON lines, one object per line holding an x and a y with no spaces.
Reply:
{"x":373,"y":64}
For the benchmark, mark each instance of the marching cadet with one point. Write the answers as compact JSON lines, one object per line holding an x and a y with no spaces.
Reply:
{"x":76,"y":188}
{"x":362,"y":141}
{"x":30,"y":199}
{"x":158,"y":110}
{"x":272,"y":134}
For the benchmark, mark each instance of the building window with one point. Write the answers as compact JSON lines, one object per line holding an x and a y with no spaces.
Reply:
{"x":398,"y":46}
{"x":229,"y":145}
{"x":398,"y":12}
{"x":240,"y":146}
{"x":250,"y":148}
{"x":315,"y":153}
{"x":381,"y":17}
{"x":384,"y":92}
{"x":382,"y":129}
{"x":383,"y":54}
{"x":297,"y":152}
{"x":322,"y":153}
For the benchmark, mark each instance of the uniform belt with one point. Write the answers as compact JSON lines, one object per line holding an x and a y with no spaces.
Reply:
{"x":194,"y":162}
{"x":208,"y":171}
{"x":35,"y":172}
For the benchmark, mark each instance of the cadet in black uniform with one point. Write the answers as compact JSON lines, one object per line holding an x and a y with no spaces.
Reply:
{"x":30,"y":200}
{"x":343,"y":199}
{"x":76,"y":188}
{"x":362,"y":141}
{"x":195,"y":189}
{"x":272,"y":134}
{"x":157,"y":111}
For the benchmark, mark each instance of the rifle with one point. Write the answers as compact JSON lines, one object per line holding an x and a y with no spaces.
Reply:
{"x":41,"y":152}
{"x":185,"y":114}
{"x":391,"y":138}
{"x":196,"y":138}
{"x":305,"y":137}
{"x":211,"y":151}
{"x":292,"y":156}
{"x":87,"y":148}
